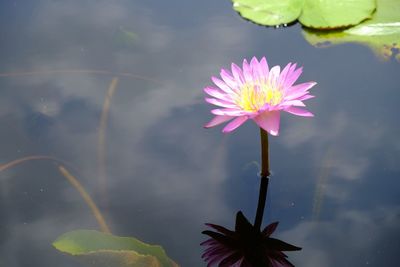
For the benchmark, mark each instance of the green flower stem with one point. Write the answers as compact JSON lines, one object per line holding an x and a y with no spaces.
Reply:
{"x":264,"y":179}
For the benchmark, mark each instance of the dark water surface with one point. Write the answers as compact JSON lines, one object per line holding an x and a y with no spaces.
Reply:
{"x":158,"y":175}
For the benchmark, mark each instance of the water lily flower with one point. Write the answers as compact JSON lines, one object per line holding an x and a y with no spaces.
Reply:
{"x":258,"y":93}
{"x":247,"y":246}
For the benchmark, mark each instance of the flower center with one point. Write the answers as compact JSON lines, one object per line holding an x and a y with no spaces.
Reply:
{"x":254,"y":96}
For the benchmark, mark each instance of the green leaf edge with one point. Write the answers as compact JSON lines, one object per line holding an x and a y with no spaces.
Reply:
{"x":383,"y":26}
{"x":64,"y":243}
{"x":297,"y":18}
{"x":372,"y":11}
{"x":238,"y":7}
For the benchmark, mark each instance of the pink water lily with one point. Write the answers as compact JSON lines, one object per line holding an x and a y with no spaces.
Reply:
{"x":258,"y":93}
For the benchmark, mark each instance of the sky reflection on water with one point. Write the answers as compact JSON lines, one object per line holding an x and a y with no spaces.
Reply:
{"x":335,"y":177}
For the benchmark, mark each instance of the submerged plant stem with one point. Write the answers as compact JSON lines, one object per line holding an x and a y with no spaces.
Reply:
{"x":264,"y":179}
{"x":74,"y":182}
{"x":28,"y":158}
{"x":101,"y":148}
{"x":86,"y":197}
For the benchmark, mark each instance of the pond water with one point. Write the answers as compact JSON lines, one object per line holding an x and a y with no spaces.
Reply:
{"x":138,"y":147}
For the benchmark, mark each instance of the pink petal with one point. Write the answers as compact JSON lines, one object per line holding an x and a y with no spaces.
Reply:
{"x":224,"y":87}
{"x":234,"y":124}
{"x":295,"y":102}
{"x":299,"y":112}
{"x":217,"y":120}
{"x":292,"y":77}
{"x":258,"y":74}
{"x":306,"y":97}
{"x":220,"y":102}
{"x":247,"y":72}
{"x":292,"y":68}
{"x":299,"y":88}
{"x":284,"y":73}
{"x":254,"y":64}
{"x":275,"y":71}
{"x":237,"y":73}
{"x":298,"y":95}
{"x":263,"y":67}
{"x":269,"y":121}
{"x":228,"y":112}
{"x":289,"y":77}
{"x":301,"y":96}
{"x":274,"y":75}
{"x":228,"y":79}
{"x":216,"y":93}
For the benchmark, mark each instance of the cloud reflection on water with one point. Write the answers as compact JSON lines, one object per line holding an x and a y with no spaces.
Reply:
{"x":359,"y":237}
{"x":162,"y":166}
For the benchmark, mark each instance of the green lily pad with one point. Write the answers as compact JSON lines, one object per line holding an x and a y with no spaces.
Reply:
{"x":331,"y":14}
{"x":269,"y":12}
{"x":101,"y":249}
{"x":381,"y":33}
{"x":319,"y":14}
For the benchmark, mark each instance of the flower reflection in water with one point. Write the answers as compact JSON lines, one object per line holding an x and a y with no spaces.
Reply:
{"x":247,"y":246}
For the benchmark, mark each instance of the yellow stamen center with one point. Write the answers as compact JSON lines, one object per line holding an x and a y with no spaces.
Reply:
{"x":255,"y":95}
